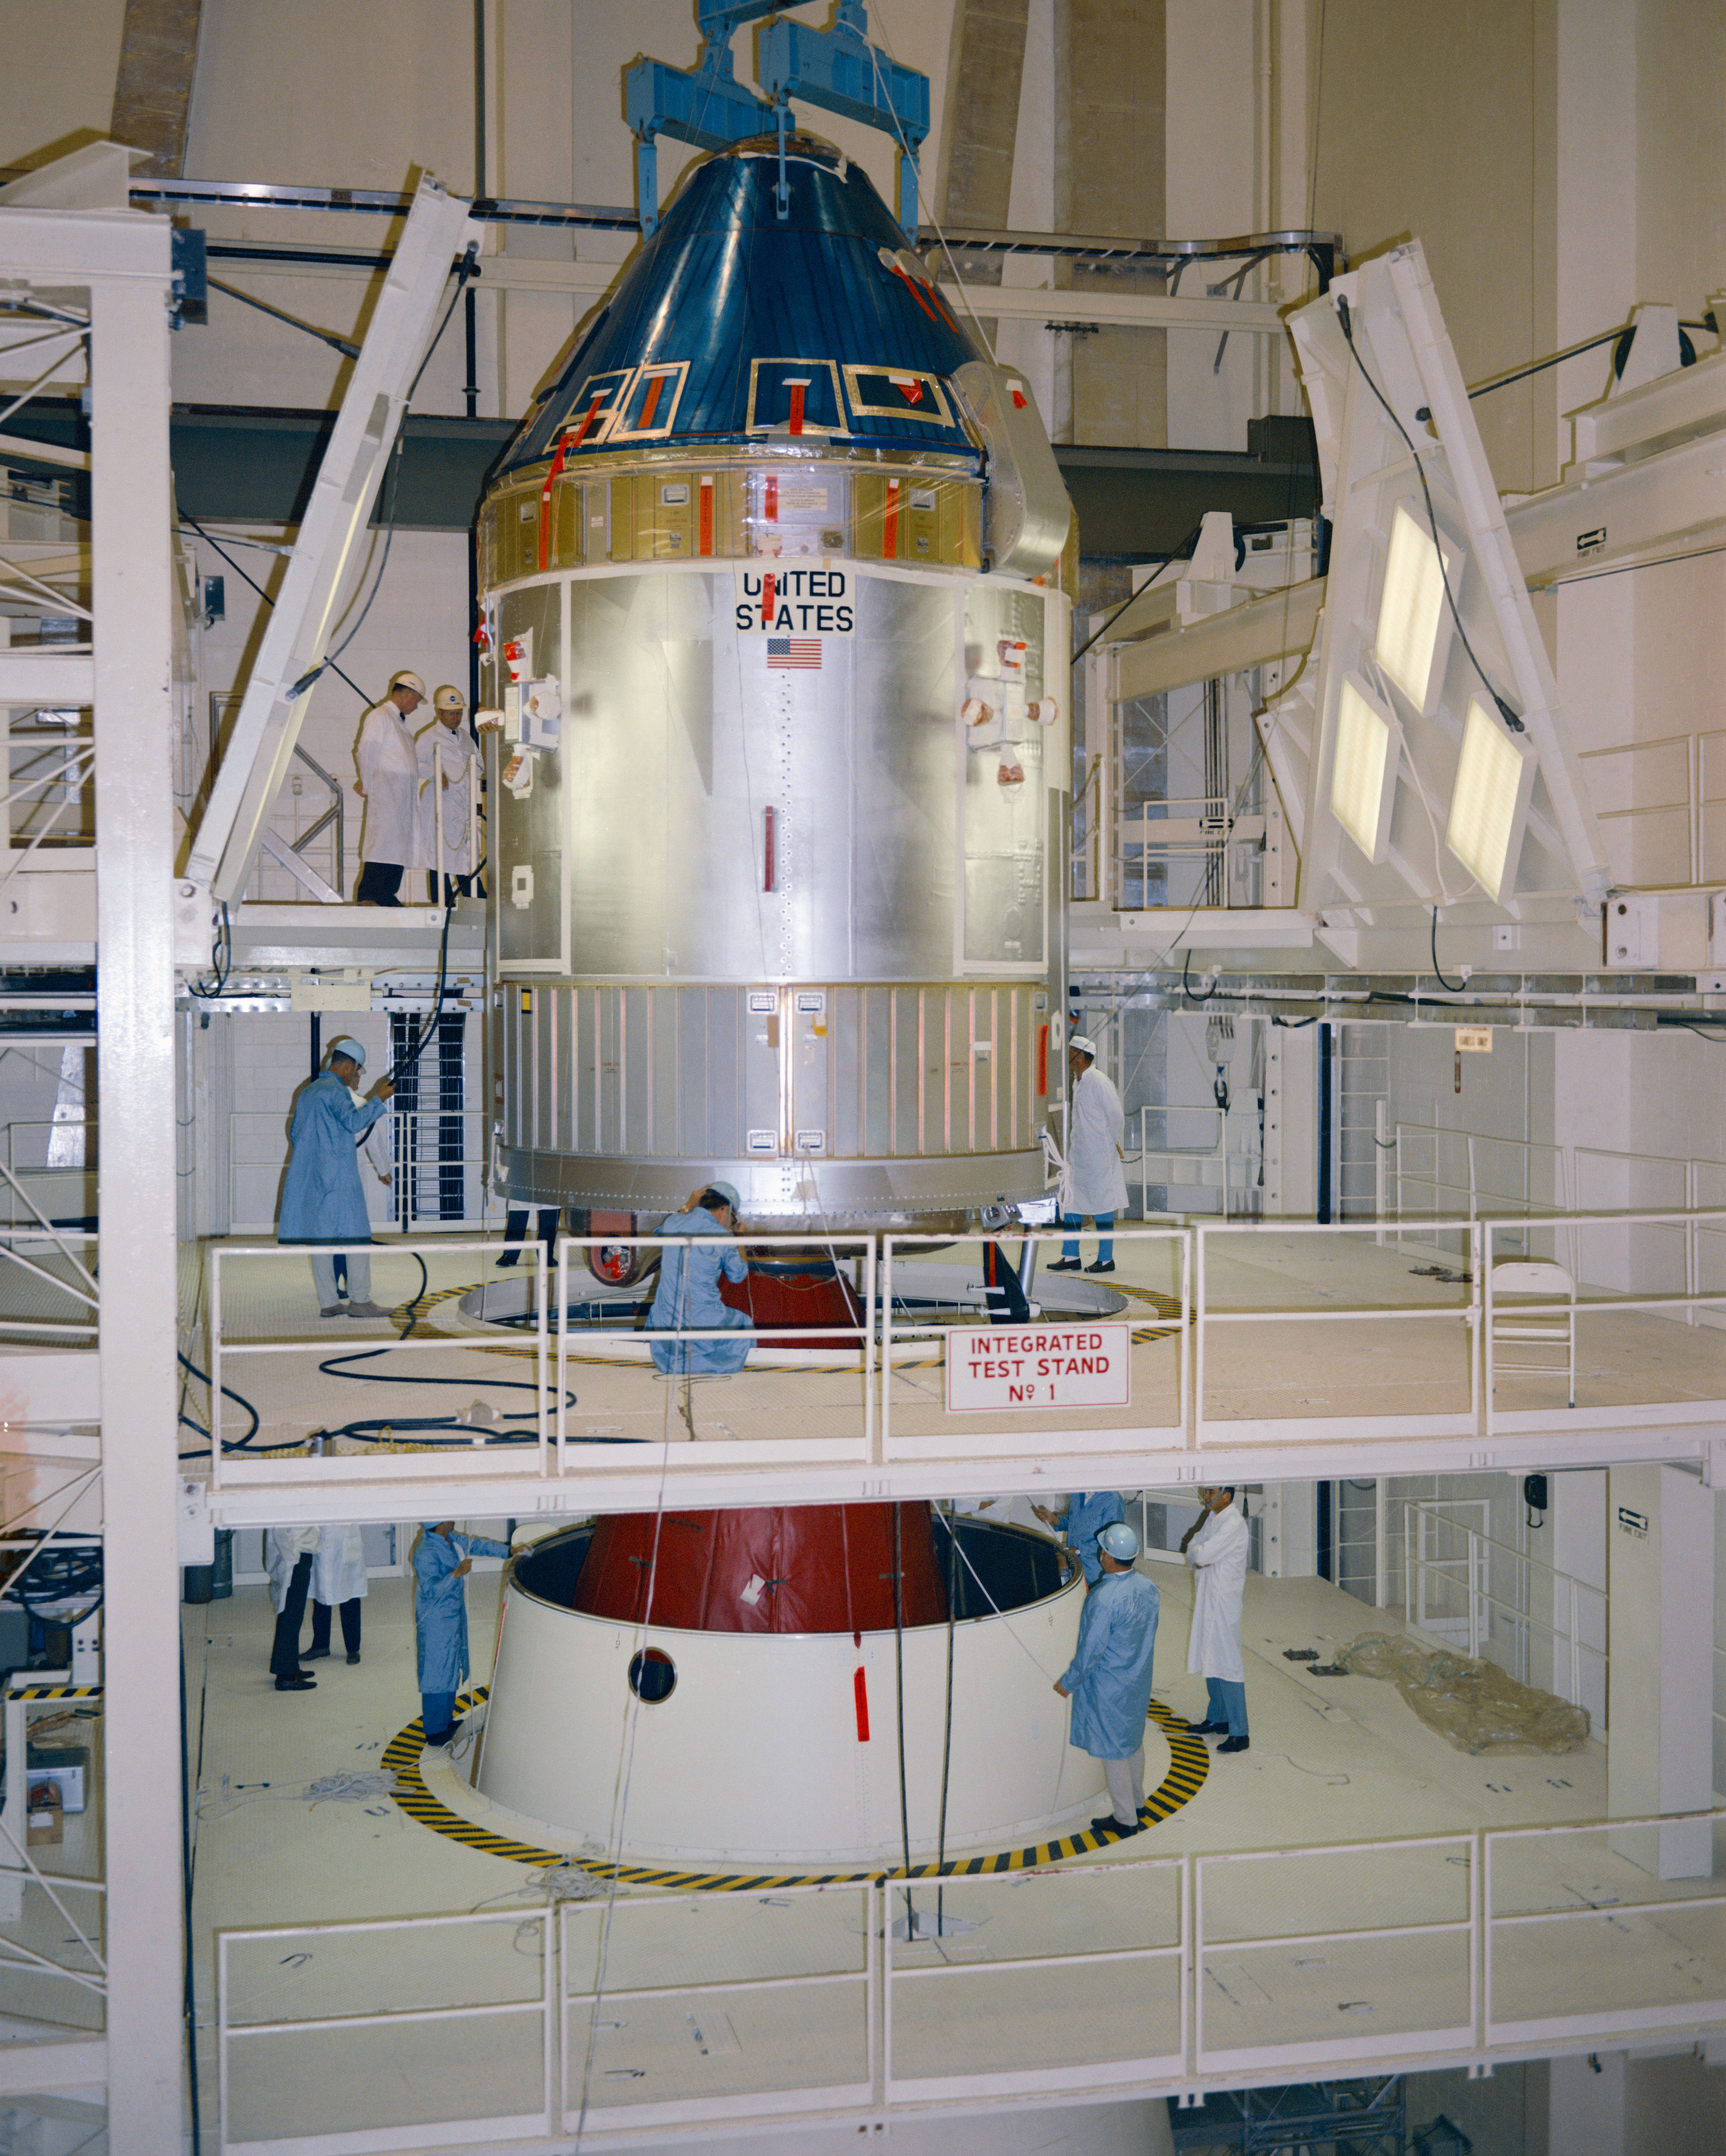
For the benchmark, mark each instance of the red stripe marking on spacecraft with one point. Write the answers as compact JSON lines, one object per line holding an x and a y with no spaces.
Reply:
{"x":770,"y":596}
{"x":889,"y":522}
{"x":908,"y":387}
{"x":860,"y":1685}
{"x":796,"y":420}
{"x":1042,"y":1062}
{"x":705,"y":543}
{"x":905,"y":279}
{"x":770,"y":499}
{"x":564,"y":446}
{"x":655,"y":389}
{"x":767,"y":849}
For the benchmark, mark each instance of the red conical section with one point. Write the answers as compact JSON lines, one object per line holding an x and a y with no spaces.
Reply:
{"x":774,"y":1295}
{"x":788,"y":1568}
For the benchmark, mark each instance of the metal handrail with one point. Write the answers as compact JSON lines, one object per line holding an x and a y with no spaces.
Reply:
{"x":1191,"y":1322}
{"x":1474,"y":2027}
{"x":1416,"y":1561}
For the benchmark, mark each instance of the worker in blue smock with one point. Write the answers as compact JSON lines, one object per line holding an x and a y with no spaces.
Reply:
{"x":1087,"y":1513}
{"x":442,"y":1560}
{"x":687,"y":1297}
{"x":323,"y":1199}
{"x":1109,"y":1680}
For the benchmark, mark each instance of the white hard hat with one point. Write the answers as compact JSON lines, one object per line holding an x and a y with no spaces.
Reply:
{"x":1084,"y":1045}
{"x":449,"y":699}
{"x":349,"y":1047}
{"x":406,"y":680}
{"x":1121,"y":1543}
{"x":728,"y":1193}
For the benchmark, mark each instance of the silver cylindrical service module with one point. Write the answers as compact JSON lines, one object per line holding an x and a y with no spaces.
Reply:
{"x":775,"y":589}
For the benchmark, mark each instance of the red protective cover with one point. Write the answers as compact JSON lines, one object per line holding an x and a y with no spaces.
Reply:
{"x":821,"y":1568}
{"x":800,"y":1301}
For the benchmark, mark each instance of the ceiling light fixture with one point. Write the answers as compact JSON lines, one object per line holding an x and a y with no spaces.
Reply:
{"x":1363,"y":773}
{"x":1413,"y":635}
{"x":1489,"y":802}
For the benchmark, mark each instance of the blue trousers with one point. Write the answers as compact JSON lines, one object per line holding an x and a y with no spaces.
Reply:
{"x":437,"y":1711}
{"x":1227,"y":1702}
{"x":1072,"y":1222}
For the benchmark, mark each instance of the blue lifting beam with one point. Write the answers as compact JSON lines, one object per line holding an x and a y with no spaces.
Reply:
{"x":836,"y":67}
{"x":839,"y":70}
{"x":705,"y":105}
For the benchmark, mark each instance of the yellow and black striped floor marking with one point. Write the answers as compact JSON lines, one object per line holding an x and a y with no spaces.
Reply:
{"x":1189,"y":1763}
{"x":422,"y":1306}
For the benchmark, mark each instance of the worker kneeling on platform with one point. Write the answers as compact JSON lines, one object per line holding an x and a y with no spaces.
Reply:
{"x":1109,"y":1680}
{"x":688,"y":1299}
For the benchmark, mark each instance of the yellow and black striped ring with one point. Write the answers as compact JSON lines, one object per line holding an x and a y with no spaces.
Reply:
{"x":1189,"y":1763}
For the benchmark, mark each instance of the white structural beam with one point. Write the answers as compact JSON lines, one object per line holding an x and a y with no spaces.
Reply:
{"x":45,"y":677}
{"x":302,"y":621}
{"x":1138,"y":311}
{"x":1227,"y":643}
{"x":133,"y":597}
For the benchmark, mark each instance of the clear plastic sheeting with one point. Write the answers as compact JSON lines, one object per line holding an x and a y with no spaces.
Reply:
{"x":1471,"y":1702}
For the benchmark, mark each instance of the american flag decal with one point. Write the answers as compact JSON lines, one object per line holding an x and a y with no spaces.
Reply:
{"x":794,"y":651}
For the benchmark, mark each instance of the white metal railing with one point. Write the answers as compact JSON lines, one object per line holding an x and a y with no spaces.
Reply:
{"x":475,"y":2020}
{"x":52,"y":1125}
{"x":1203,"y":1168}
{"x":1447,"y":1946}
{"x":861,"y":1281}
{"x":1207,"y":1363}
{"x":1691,"y":1304}
{"x":996,"y":1957}
{"x":1463,"y":1174}
{"x":599,"y":2078}
{"x":905,"y":1335}
{"x":1569,"y":1596}
{"x":1324,"y":1305}
{"x":1415,"y":1940}
{"x":1687,"y":827}
{"x":417,"y":1167}
{"x":227,"y":1465}
{"x":1228,"y":854}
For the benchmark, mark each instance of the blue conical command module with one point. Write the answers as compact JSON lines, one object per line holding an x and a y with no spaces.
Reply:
{"x":730,"y":326}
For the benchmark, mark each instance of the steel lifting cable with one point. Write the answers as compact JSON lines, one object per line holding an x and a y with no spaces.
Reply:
{"x":953,"y":1545}
{"x":899,"y":1701}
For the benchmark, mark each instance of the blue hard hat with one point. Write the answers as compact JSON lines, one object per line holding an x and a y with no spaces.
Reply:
{"x":349,"y":1047}
{"x":1120,"y":1540}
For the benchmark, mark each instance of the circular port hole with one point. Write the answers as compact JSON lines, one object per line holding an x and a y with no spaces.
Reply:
{"x":653,"y":1675}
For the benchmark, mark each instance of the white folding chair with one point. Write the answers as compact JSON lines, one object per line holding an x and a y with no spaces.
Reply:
{"x":1534,"y":1308}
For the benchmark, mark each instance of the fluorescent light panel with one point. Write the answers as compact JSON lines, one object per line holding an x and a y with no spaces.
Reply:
{"x":1363,"y":773}
{"x":1495,"y":776}
{"x":1411,"y":609}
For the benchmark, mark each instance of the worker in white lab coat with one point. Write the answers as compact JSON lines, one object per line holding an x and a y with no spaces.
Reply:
{"x":1217,"y":1547}
{"x":288,"y":1557}
{"x":449,"y":770}
{"x":389,"y":782}
{"x":1095,"y":1182}
{"x":338,"y":1582}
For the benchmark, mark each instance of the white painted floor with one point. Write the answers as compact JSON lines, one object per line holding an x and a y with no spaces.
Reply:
{"x":1299,"y":1327}
{"x":1332,"y":1760}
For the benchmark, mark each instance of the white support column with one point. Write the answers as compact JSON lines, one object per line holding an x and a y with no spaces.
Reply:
{"x":133,"y":597}
{"x":1661,"y":1682}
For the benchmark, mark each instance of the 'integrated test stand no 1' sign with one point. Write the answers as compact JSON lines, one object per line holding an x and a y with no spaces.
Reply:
{"x":1039,"y":1366}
